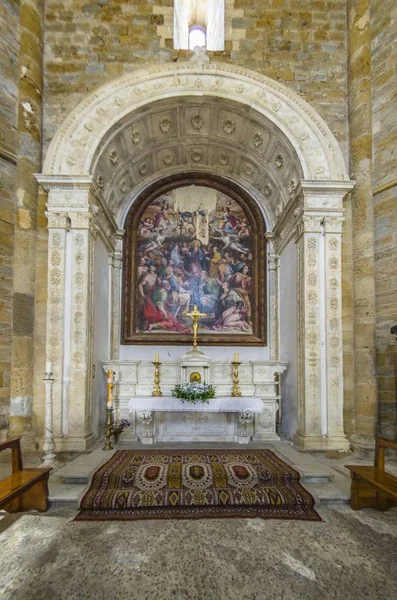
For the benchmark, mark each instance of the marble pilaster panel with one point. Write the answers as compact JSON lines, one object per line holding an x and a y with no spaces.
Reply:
{"x":58,"y":225}
{"x":80,"y":387}
{"x":274,"y":331}
{"x":333,"y":325}
{"x":309,"y":340}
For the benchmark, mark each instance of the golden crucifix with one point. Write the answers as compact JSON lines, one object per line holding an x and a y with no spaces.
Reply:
{"x":195,"y":315}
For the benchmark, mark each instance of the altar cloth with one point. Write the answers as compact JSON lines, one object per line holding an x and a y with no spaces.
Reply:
{"x":221,"y":404}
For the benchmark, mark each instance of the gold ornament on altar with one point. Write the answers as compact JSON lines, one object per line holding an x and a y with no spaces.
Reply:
{"x":236,"y":379}
{"x":195,"y":315}
{"x":157,"y":389}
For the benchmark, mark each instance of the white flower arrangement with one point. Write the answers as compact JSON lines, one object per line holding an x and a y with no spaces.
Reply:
{"x":194,"y":392}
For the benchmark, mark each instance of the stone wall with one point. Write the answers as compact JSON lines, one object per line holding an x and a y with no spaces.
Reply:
{"x":9,"y":53}
{"x":384,"y":111}
{"x":301,"y":44}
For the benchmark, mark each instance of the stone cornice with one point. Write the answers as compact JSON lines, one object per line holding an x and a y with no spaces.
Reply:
{"x":64,"y":182}
{"x":316,"y":187}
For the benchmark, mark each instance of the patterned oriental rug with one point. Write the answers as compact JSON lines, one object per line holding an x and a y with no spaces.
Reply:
{"x":194,"y":484}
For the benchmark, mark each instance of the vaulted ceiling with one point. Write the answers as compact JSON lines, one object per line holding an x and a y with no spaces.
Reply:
{"x":205,"y":135}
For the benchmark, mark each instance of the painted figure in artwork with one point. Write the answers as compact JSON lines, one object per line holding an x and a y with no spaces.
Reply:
{"x":194,"y":248}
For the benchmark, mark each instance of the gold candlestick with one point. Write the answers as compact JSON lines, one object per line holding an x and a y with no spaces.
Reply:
{"x":109,"y":421}
{"x":157,"y":389}
{"x":236,"y":381}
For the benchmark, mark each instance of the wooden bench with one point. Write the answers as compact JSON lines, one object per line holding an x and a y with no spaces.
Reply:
{"x":373,"y":487}
{"x":25,"y":488}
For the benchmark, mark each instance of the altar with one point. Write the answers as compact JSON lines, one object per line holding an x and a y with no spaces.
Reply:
{"x":245,"y":407}
{"x":252,"y":417}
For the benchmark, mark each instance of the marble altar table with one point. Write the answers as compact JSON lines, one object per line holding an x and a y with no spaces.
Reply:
{"x":146,"y":406}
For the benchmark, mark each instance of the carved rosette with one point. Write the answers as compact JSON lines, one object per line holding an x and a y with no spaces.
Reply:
{"x":333,"y":296}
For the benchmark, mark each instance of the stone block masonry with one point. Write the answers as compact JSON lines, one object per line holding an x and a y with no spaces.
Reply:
{"x":301,"y":44}
{"x":9,"y":53}
{"x":384,"y":111}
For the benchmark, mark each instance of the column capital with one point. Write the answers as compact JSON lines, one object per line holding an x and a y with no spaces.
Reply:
{"x":308,"y":223}
{"x":64,"y":182}
{"x":322,"y":196}
{"x":58,"y":220}
{"x":334,"y":223}
{"x":84,"y":219}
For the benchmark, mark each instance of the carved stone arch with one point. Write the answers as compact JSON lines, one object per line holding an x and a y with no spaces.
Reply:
{"x":73,"y":147}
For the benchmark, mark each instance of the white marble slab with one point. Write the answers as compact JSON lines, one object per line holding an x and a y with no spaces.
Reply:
{"x":221,"y":404}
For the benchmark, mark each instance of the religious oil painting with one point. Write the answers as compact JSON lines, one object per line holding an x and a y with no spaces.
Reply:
{"x":194,"y":245}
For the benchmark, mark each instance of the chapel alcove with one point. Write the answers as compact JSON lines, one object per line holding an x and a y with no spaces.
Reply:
{"x":227,"y":125}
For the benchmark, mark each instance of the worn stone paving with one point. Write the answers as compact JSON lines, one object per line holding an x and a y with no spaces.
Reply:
{"x":349,"y":555}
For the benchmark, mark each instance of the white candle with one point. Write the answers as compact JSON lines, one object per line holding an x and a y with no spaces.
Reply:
{"x":157,"y":358}
{"x":48,"y":366}
{"x":236,"y":357}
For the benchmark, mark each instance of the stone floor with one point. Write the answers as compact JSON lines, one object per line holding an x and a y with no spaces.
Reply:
{"x":348,"y":556}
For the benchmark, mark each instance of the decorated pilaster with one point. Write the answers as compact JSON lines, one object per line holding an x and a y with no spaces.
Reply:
{"x":116,"y":261}
{"x":273,"y":263}
{"x":333,"y":327}
{"x":320,"y":354}
{"x":75,"y":217}
{"x":80,"y":387}
{"x":309,"y":339}
{"x":58,"y":226}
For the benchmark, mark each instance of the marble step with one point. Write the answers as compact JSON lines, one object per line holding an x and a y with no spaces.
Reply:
{"x":67,"y":495}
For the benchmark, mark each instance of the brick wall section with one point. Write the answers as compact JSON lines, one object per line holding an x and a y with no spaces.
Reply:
{"x":9,"y":51}
{"x":384,"y":111}
{"x":301,"y":44}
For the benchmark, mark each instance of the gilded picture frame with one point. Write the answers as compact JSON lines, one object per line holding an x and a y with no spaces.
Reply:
{"x":194,"y":240}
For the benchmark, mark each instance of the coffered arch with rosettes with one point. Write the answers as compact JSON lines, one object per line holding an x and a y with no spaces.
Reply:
{"x":211,"y":135}
{"x":219,"y":118}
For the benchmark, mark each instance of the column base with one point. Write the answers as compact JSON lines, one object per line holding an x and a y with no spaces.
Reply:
{"x":319,"y":442}
{"x":74,"y":443}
